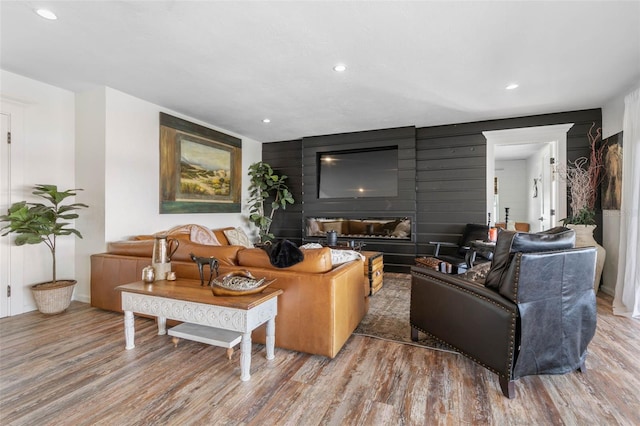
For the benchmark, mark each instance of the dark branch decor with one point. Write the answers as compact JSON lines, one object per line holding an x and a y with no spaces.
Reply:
{"x":200,"y":168}
{"x":583,"y":177}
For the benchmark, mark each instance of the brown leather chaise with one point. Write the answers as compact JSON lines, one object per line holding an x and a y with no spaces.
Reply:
{"x":536,"y":313}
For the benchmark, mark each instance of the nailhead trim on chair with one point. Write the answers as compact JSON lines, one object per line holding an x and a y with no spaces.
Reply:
{"x":512,"y":336}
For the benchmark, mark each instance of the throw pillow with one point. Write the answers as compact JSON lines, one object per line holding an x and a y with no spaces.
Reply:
{"x":478,"y":273}
{"x":202,"y":235}
{"x":237,"y":237}
{"x":197,"y":233}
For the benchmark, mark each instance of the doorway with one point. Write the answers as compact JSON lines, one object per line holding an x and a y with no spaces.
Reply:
{"x":540,"y":197}
{"x":11,"y":179}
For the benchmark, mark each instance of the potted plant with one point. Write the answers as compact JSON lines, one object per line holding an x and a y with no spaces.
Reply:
{"x":36,"y":223}
{"x":265,"y":184}
{"x":583,"y":177}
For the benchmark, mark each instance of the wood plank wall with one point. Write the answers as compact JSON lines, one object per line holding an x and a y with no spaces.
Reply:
{"x":450,"y":174}
{"x":286,"y":158}
{"x":397,"y":253}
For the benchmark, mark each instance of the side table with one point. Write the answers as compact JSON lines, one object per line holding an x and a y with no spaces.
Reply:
{"x":373,"y":266}
{"x":373,"y":270}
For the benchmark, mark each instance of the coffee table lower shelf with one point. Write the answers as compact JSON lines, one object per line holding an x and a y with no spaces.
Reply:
{"x":204,"y":334}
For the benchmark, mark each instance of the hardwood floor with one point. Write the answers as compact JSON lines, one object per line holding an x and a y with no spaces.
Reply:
{"x":72,"y":369}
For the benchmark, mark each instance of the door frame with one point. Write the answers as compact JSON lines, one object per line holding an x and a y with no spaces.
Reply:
{"x":15,"y":259}
{"x":530,"y":135}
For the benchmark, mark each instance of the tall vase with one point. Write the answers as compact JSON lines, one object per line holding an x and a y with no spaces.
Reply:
{"x":584,"y":238}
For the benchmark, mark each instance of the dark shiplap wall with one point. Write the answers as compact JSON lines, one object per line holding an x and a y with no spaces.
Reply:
{"x":449,"y":177}
{"x":451,"y":170}
{"x":286,"y":158}
{"x":397,"y":254}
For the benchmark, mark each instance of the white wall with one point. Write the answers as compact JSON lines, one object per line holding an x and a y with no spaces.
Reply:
{"x":118,"y":158}
{"x":107,"y":143}
{"x":513,"y":189}
{"x":44,"y":153}
{"x":132,"y":171}
{"x":534,"y":209}
{"x":612,"y":119}
{"x":90,"y":166}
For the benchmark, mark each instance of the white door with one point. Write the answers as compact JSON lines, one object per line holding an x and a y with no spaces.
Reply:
{"x":5,"y":198}
{"x":544,"y":189}
{"x":552,"y":186}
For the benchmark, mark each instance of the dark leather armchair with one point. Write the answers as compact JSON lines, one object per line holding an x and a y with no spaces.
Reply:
{"x":458,"y":253}
{"x":536,"y":313}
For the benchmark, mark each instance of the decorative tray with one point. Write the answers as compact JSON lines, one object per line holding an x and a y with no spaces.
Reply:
{"x":238,"y":283}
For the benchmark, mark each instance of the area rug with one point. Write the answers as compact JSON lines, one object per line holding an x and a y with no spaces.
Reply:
{"x":388,"y":316}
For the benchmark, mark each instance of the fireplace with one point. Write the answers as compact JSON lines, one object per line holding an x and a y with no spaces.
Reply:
{"x":395,"y":228}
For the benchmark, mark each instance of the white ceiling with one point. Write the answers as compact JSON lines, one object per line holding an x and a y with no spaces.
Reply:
{"x":424,"y":63}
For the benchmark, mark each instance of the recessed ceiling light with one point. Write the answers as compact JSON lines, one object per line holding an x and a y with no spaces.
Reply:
{"x":266,"y":120}
{"x":340,"y":67}
{"x":47,"y":14}
{"x":512,"y":86}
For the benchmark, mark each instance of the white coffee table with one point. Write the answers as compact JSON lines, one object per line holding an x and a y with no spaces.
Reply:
{"x":220,"y":321}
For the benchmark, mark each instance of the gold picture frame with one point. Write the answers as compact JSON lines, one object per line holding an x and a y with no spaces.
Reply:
{"x":200,"y":168}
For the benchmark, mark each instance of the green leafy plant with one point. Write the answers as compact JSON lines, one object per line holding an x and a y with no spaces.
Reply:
{"x":36,"y":223}
{"x":586,"y":216}
{"x":266,"y":184}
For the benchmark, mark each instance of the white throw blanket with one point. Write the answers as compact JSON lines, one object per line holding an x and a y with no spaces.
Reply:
{"x":338,"y":256}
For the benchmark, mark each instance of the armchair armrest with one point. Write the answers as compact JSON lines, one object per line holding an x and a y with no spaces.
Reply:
{"x":439,"y":244}
{"x":476,"y":321}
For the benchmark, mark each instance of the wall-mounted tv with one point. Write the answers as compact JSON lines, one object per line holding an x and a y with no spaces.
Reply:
{"x":358,"y":173}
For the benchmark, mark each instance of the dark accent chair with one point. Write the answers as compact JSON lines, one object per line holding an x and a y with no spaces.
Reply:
{"x":536,"y":313}
{"x":458,"y":253}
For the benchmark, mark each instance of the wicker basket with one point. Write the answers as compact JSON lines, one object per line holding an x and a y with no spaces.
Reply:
{"x":53,"y":298}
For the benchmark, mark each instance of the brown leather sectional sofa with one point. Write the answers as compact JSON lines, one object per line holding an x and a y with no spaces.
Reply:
{"x":319,"y":309}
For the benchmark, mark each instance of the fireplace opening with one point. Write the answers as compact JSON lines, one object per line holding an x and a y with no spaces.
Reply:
{"x":386,"y":228}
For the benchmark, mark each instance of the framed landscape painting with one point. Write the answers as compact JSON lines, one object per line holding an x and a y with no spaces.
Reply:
{"x":200,"y":168}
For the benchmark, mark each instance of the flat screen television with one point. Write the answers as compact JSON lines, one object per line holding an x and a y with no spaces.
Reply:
{"x":358,"y":173}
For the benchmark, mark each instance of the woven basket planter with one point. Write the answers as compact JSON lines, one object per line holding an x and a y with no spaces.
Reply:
{"x":53,"y":298}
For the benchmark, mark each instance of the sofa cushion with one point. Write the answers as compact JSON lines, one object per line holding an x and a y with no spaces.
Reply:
{"x":226,"y":255}
{"x":138,"y":248}
{"x":315,"y":260}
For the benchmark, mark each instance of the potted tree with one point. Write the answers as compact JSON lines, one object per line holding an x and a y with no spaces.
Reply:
{"x":583,"y":177}
{"x":36,"y":223}
{"x":265,"y":184}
